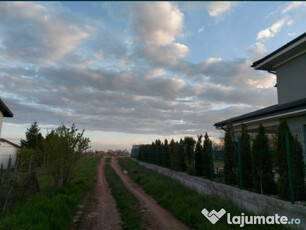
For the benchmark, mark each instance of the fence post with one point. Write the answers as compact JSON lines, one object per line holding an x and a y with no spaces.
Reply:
{"x":211,"y":162}
{"x":289,"y":167}
{"x":239,"y":162}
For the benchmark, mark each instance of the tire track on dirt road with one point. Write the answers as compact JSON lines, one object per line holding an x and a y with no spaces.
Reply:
{"x":154,"y":216}
{"x":100,"y":211}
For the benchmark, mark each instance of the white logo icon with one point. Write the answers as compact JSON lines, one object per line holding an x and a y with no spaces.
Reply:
{"x":213,"y":216}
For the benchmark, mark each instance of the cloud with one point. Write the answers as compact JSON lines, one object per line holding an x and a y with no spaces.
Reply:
{"x":271,"y":31}
{"x":201,"y":29}
{"x":30,"y":32}
{"x":138,"y":82}
{"x":293,"y":6}
{"x":156,"y":26}
{"x":215,"y":9}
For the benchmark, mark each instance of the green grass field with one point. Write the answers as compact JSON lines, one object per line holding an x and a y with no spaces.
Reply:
{"x":52,"y":209}
{"x":182,"y":202}
{"x":127,"y":204}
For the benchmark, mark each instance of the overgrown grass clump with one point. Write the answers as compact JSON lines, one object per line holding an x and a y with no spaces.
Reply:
{"x":53,"y":208}
{"x":127,"y":204}
{"x":182,"y":202}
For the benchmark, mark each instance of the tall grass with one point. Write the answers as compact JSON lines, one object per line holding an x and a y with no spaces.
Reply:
{"x":182,"y":202}
{"x":127,"y":204}
{"x":53,"y":209}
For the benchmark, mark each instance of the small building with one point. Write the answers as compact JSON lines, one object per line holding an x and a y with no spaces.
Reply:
{"x":7,"y":148}
{"x":288,"y":63}
{"x":4,"y":112}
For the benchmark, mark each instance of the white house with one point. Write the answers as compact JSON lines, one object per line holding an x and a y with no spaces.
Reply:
{"x":288,"y":63}
{"x":7,"y":148}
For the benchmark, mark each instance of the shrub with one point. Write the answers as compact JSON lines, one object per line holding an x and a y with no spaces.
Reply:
{"x":63,"y":147}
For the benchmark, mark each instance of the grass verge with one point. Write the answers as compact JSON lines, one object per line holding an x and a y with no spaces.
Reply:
{"x":127,"y":204}
{"x":53,"y":209}
{"x":182,"y":202}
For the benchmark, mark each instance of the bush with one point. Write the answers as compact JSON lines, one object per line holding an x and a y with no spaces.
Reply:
{"x":63,"y":147}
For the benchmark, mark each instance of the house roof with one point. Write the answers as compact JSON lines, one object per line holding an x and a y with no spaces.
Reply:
{"x":11,"y":143}
{"x":273,"y":110}
{"x":5,"y":110}
{"x":285,"y":53}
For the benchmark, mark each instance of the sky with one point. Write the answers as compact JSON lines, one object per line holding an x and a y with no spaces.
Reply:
{"x":132,"y":72}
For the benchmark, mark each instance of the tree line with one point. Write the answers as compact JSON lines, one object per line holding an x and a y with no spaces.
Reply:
{"x":186,"y":155}
{"x":249,"y":163}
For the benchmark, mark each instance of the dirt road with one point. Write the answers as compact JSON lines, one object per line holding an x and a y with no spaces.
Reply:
{"x":100,"y":212}
{"x":154,"y":216}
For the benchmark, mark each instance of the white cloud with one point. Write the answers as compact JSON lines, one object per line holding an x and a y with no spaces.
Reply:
{"x":201,"y":29}
{"x":216,"y":9}
{"x":156,"y":26}
{"x":271,"y":31}
{"x":293,"y":6}
{"x":291,"y":34}
{"x":32,"y":32}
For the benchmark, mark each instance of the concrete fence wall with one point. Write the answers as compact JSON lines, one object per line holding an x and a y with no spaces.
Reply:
{"x":250,"y":201}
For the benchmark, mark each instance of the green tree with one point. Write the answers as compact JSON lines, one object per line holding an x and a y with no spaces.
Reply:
{"x":63,"y":147}
{"x":262,"y":165}
{"x":33,"y":138}
{"x":198,"y":157}
{"x":297,"y":164}
{"x":189,"y":150}
{"x":172,"y":149}
{"x":167,"y":154}
{"x":230,"y":156}
{"x":246,"y":161}
{"x":182,"y":156}
{"x":298,"y":170}
{"x":206,"y":157}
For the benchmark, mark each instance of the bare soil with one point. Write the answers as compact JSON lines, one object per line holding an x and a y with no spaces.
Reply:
{"x":98,"y":210}
{"x":154,"y":216}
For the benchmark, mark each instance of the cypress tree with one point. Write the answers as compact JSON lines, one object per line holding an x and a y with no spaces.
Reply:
{"x":246,"y":162}
{"x":206,"y":157}
{"x":198,"y":157}
{"x":262,"y":166}
{"x":172,"y":154}
{"x":297,"y":164}
{"x":182,"y":154}
{"x":230,"y":156}
{"x":298,"y":170}
{"x":189,"y":150}
{"x":167,"y":154}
